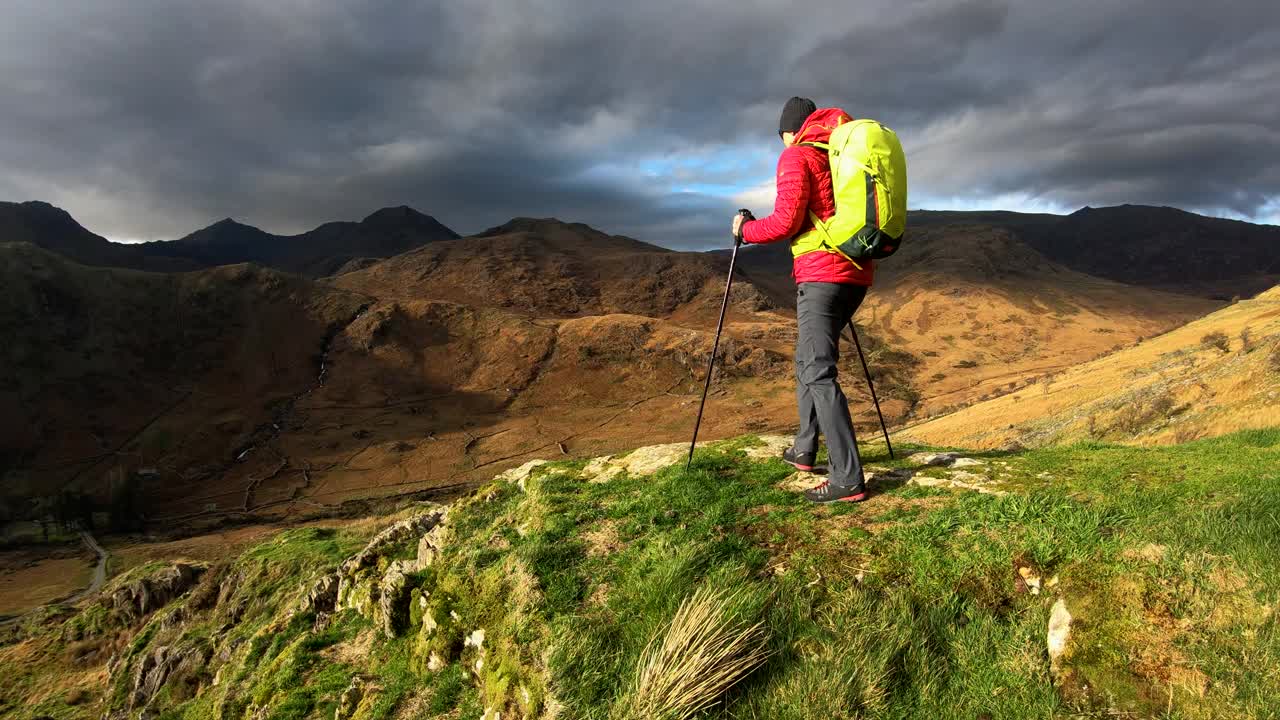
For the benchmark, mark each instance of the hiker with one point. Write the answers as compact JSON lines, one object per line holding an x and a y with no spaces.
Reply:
{"x":829,"y":288}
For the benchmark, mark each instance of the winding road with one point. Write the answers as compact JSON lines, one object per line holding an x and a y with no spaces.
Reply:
{"x":99,"y":577}
{"x":99,"y":572}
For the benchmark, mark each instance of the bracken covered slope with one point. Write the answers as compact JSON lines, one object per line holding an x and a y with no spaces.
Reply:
{"x":1215,"y":375}
{"x":429,"y":371}
{"x":984,"y":312}
{"x":547,"y":268}
{"x":109,"y":369}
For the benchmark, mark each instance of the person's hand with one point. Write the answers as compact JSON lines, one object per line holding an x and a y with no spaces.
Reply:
{"x":738,"y":221}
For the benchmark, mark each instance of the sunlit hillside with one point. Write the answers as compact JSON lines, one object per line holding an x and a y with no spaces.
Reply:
{"x":1215,"y":375}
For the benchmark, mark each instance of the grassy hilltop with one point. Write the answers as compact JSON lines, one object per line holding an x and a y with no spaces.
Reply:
{"x":627,"y":588}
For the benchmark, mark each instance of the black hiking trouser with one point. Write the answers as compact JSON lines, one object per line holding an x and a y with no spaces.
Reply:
{"x":822,"y":311}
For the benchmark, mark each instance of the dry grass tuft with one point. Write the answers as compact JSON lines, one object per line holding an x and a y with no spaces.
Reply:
{"x":1140,"y":413}
{"x":705,"y":650}
{"x":1216,"y":339}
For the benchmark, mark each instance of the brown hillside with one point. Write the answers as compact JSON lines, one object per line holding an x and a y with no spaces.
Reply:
{"x":534,"y":338}
{"x":427,"y":395}
{"x":981,"y":309}
{"x":470,"y":356}
{"x":547,"y":268}
{"x":984,"y":311}
{"x":1212,"y":376}
{"x":110,"y":369}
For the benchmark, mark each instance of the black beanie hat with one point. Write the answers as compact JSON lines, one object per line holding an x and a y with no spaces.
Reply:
{"x":794,"y":113}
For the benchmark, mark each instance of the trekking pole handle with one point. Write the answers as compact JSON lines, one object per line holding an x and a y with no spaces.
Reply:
{"x":746,"y":215}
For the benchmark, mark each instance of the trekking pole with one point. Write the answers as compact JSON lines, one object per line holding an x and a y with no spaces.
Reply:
{"x":715,"y":347}
{"x":871,"y":385}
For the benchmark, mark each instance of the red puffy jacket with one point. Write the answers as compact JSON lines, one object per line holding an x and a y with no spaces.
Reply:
{"x":804,"y":185}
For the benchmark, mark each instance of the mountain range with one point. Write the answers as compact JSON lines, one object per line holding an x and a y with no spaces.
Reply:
{"x":250,"y":390}
{"x":413,"y":360}
{"x":1157,"y":247}
{"x":215,"y":407}
{"x":315,"y":253}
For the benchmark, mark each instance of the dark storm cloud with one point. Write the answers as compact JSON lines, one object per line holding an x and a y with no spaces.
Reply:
{"x":147,"y":119}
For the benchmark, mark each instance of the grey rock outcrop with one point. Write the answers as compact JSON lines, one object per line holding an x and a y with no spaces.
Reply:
{"x":322,"y":596}
{"x":929,"y":459}
{"x":376,"y":582}
{"x":143,"y":596}
{"x":350,"y":700}
{"x":395,"y":533}
{"x":377,"y":587}
{"x":165,"y":665}
{"x":393,"y":597}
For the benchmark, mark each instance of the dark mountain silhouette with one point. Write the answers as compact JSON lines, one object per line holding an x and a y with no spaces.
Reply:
{"x":50,"y":227}
{"x":316,"y":253}
{"x":1165,"y":248}
{"x":1155,"y":247}
{"x":54,"y":229}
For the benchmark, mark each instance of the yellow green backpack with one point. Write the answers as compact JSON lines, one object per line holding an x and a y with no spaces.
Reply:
{"x":869,"y":176}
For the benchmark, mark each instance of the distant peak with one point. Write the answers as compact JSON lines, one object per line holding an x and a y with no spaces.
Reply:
{"x":226,"y":229}
{"x":1133,"y":209}
{"x":403,"y":216}
{"x":228,"y":224}
{"x":42,"y":208}
{"x":398,"y":211}
{"x":554,"y":229}
{"x":40,"y":214}
{"x":41,"y":205}
{"x":532,"y":224}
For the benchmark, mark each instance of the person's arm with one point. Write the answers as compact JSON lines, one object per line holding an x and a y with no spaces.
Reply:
{"x":791,"y":206}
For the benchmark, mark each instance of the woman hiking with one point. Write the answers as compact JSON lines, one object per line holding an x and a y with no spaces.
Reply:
{"x":829,"y":288}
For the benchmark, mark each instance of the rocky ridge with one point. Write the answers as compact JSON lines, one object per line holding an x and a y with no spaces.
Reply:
{"x":465,"y":595}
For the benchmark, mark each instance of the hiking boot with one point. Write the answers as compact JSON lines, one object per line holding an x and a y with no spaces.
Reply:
{"x":798,"y":460}
{"x":828,"y":493}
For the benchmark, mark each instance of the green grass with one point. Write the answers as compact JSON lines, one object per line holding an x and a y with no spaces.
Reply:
{"x":908,"y":605}
{"x":952,"y":633}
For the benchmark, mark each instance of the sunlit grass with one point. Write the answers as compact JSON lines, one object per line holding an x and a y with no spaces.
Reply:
{"x":715,"y":593}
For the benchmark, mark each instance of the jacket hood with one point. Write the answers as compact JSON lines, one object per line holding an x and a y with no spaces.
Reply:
{"x":820,"y":124}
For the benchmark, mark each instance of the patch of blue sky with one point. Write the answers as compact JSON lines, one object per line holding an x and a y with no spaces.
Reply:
{"x":715,"y":189}
{"x":1015,"y":202}
{"x":704,"y":173}
{"x":1268,"y":214}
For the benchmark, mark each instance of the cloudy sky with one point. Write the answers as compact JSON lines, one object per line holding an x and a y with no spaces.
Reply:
{"x":147,"y":119}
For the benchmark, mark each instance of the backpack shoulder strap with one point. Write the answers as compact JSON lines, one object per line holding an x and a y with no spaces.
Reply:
{"x":821,"y":227}
{"x":827,"y":149}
